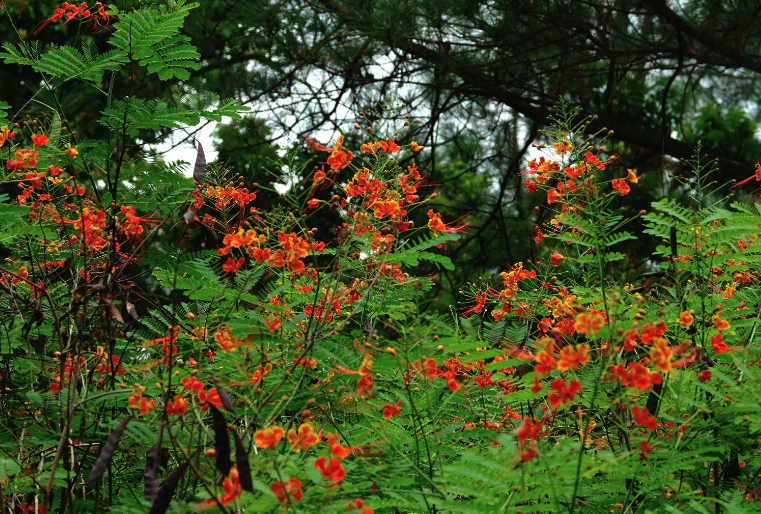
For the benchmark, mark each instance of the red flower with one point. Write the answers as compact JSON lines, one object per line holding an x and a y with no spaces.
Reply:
{"x":546,"y":363}
{"x":553,"y":196}
{"x":231,"y":487}
{"x":704,"y":376}
{"x":358,"y":505}
{"x":339,"y":159}
{"x":333,"y":471}
{"x":389,"y":147}
{"x":621,"y":186}
{"x":570,"y":358}
{"x":643,"y":418}
{"x":212,"y":397}
{"x":177,"y":407}
{"x":39,"y":139}
{"x":269,"y":437}
{"x":644,"y":449}
{"x":529,"y":431}
{"x":537,"y":386}
{"x":192,"y":384}
{"x":391,"y":410}
{"x":556,"y":259}
{"x":336,"y":448}
{"x":304,"y":438}
{"x":720,"y":324}
{"x":718,"y":344}
{"x":563,"y":393}
{"x":232,"y":266}
{"x":290,"y":488}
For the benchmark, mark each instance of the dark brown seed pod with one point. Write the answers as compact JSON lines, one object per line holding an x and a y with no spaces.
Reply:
{"x":244,"y":469}
{"x":199,"y":170}
{"x":104,"y":458}
{"x":221,"y":441}
{"x":150,"y":480}
{"x":164,"y":497}
{"x":227,"y":403}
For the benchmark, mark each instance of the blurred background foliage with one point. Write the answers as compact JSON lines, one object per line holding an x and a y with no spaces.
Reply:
{"x":481,"y":77}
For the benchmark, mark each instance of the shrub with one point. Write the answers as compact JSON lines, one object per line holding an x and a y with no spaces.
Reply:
{"x":158,"y":328}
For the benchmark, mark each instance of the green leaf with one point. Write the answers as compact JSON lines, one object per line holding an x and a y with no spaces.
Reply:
{"x":439,"y":260}
{"x":10,"y":211}
{"x":4,"y":108}
{"x":69,"y":63}
{"x":22,"y":55}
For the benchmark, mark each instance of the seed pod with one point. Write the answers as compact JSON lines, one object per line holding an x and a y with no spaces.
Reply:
{"x":226,"y":401}
{"x":164,"y":497}
{"x":221,"y":441}
{"x":199,"y":170}
{"x":150,"y":480}
{"x":107,"y":452}
{"x":244,"y":469}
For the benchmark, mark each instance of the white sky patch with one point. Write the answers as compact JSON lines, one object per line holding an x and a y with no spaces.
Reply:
{"x":172,"y":150}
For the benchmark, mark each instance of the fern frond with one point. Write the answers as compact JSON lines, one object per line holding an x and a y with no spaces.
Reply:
{"x":69,"y":63}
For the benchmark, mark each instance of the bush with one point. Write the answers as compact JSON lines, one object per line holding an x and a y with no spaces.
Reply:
{"x":170,"y":345}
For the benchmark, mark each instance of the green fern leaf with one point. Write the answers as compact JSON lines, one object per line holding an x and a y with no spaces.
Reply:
{"x":69,"y":63}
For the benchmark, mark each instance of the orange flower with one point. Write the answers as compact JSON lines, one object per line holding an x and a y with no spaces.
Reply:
{"x":231,"y":486}
{"x":562,"y":393}
{"x":621,"y":186}
{"x":661,"y":354}
{"x":192,"y":384}
{"x":391,"y":410}
{"x":269,"y":437}
{"x":232,"y":265}
{"x":370,"y":147}
{"x":39,"y":139}
{"x":6,"y":134}
{"x":553,"y":196}
{"x":563,"y":147}
{"x":333,"y":471}
{"x":283,"y":490}
{"x":389,"y":208}
{"x":336,"y":448}
{"x":304,"y":438}
{"x":415,"y":147}
{"x":212,"y":397}
{"x":262,"y":255}
{"x":588,"y":324}
{"x":146,"y":406}
{"x":546,"y":363}
{"x":273,"y":324}
{"x":718,"y":344}
{"x":72,"y":152}
{"x":178,"y":407}
{"x":339,"y":159}
{"x":537,"y":386}
{"x":720,"y":324}
{"x":685,"y":319}
{"x":137,"y":396}
{"x":631,"y":176}
{"x":556,"y":259}
{"x":572,"y":359}
{"x":389,"y":147}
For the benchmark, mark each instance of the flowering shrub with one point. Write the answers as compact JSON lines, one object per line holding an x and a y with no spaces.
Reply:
{"x":170,"y":345}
